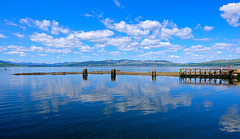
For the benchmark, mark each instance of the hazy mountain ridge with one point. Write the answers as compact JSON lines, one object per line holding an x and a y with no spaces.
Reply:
{"x":122,"y":62}
{"x":7,"y":64}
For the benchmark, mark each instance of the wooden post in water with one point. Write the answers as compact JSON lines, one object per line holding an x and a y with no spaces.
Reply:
{"x":190,"y":73}
{"x":205,"y":72}
{"x":210,"y":74}
{"x":185,"y":75}
{"x":113,"y":75}
{"x":226,"y":73}
{"x":84,"y":74}
{"x":215,"y":72}
{"x":221,"y":73}
{"x":200,"y":73}
{"x":154,"y":74}
{"x":195,"y":73}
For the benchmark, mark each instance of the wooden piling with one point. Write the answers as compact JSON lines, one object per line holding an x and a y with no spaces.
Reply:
{"x":85,"y":71}
{"x":195,"y":73}
{"x":215,"y":73}
{"x":154,"y":73}
{"x":221,"y":73}
{"x":210,"y":74}
{"x":85,"y":74}
{"x":200,"y":73}
{"x":113,"y":74}
{"x":205,"y":73}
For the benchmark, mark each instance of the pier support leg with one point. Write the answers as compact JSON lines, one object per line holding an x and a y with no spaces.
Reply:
{"x":190,"y":73}
{"x":210,"y":74}
{"x":221,"y":73}
{"x":200,"y":73}
{"x":215,"y":73}
{"x":205,"y":73}
{"x":195,"y":73}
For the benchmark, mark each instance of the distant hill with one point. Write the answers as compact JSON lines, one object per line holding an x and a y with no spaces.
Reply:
{"x":124,"y":62}
{"x":234,"y":62}
{"x":7,"y":64}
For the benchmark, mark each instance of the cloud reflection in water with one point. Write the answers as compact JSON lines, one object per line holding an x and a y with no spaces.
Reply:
{"x":127,"y":93}
{"x":230,"y":122}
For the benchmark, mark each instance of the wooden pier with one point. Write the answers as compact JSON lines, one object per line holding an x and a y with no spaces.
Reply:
{"x":209,"y":73}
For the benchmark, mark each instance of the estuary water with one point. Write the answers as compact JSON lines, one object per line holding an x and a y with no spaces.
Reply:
{"x":66,"y":106}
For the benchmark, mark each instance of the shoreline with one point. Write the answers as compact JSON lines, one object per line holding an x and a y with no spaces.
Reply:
{"x":173,"y":74}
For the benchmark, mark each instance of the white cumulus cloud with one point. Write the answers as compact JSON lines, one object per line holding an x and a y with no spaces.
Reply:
{"x":184,"y":33}
{"x":21,"y":54}
{"x":118,"y":4}
{"x":155,"y":54}
{"x":69,"y":42}
{"x":56,"y":29}
{"x":221,"y":46}
{"x":231,"y":13}
{"x":2,"y":36}
{"x":202,"y":39}
{"x":10,"y":23}
{"x":197,"y":48}
{"x":113,"y":53}
{"x":94,"y":35}
{"x":208,"y":28}
{"x":45,"y":25}
{"x":150,"y":25}
{"x":130,"y":29}
{"x":122,"y":43}
{"x":19,"y":35}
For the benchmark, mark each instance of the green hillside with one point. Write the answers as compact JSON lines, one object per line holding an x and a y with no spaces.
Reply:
{"x":234,"y":62}
{"x":6,"y":64}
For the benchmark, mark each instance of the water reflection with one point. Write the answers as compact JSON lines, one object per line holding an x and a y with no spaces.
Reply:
{"x":113,"y":77}
{"x":64,"y":104}
{"x":123,"y":95}
{"x":230,"y":122}
{"x":207,"y":81}
{"x":154,"y":79}
{"x":85,"y":76}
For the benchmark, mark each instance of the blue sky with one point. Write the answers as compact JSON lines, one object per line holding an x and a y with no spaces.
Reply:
{"x":65,"y":31}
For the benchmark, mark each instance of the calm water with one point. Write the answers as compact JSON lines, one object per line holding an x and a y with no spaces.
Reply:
{"x":66,"y":106}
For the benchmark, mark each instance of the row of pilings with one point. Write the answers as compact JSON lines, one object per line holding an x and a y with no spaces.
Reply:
{"x":113,"y":74}
{"x":187,"y":73}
